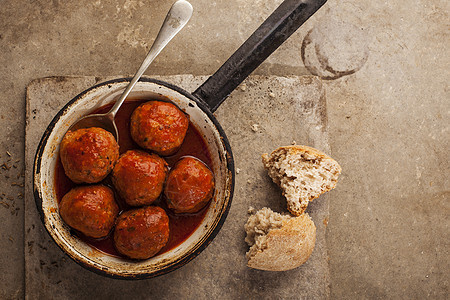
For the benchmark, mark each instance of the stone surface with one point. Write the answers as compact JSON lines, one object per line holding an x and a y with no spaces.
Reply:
{"x":389,"y":129}
{"x":262,"y":114}
{"x":388,"y":122}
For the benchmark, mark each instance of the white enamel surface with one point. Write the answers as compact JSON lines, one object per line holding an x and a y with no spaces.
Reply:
{"x":45,"y":180}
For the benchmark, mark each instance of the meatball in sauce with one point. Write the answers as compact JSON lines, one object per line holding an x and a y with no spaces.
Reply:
{"x":159,"y":126}
{"x":91,"y":210}
{"x":88,"y":155}
{"x":190,"y":186}
{"x":139,"y":177}
{"x":141,"y":233}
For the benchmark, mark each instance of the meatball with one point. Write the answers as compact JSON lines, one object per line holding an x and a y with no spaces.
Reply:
{"x":139,"y":177}
{"x":88,"y":154}
{"x":189,"y":186}
{"x":159,"y":126}
{"x":140,"y":233}
{"x":90,"y":210}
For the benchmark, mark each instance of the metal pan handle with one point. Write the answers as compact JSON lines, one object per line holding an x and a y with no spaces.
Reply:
{"x":279,"y":26}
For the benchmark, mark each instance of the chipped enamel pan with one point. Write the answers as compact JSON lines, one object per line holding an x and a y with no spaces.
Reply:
{"x":46,"y":159}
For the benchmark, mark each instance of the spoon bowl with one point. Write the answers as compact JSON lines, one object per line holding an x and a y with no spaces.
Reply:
{"x":105,"y":121}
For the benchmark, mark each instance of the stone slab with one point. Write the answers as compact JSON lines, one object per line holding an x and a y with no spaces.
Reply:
{"x":262,"y":114}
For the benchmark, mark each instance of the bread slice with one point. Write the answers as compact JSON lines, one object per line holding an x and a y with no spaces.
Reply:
{"x":279,"y":242}
{"x":303,"y":174}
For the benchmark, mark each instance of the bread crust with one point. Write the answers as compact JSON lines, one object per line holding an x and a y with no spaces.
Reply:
{"x":309,"y":153}
{"x":302,"y":149}
{"x":297,"y":149}
{"x":288,"y":247}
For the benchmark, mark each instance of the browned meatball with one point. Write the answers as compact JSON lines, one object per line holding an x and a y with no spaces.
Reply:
{"x":159,"y":126}
{"x":90,"y":210}
{"x":140,"y":233}
{"x":139,"y":177}
{"x":88,"y":154}
{"x":189,"y":186}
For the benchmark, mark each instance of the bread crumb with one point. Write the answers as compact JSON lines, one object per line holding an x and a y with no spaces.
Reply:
{"x":251,"y":210}
{"x":271,"y":95}
{"x":249,"y":181}
{"x":255,"y":127}
{"x":238,"y":170}
{"x":243,"y":87}
{"x":293,"y":142}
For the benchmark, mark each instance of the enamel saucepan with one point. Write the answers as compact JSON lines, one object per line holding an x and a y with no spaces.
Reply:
{"x":200,"y":106}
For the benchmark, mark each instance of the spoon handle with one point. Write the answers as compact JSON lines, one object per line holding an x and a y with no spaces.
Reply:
{"x":178,"y":15}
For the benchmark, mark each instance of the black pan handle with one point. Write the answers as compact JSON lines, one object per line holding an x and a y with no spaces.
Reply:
{"x":280,"y":25}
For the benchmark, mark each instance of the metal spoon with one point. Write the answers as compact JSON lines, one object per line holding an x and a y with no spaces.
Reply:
{"x":178,"y":15}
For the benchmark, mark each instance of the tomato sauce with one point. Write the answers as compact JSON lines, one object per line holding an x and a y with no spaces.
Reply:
{"x":181,"y":225}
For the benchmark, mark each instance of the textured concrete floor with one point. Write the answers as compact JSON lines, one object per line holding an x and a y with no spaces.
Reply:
{"x":388,"y":116}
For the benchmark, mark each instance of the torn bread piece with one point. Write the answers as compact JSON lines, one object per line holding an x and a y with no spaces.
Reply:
{"x":279,"y":242}
{"x":303,"y":174}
